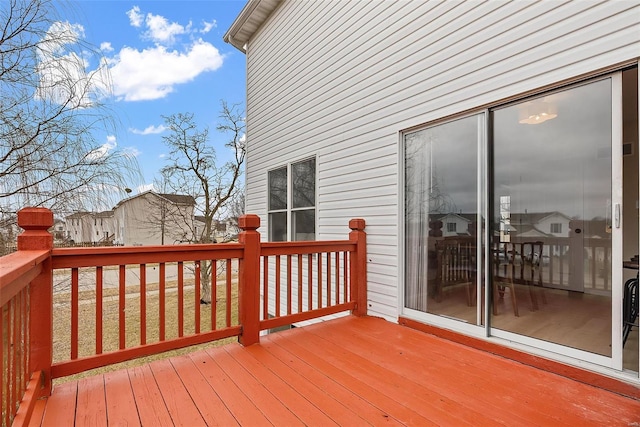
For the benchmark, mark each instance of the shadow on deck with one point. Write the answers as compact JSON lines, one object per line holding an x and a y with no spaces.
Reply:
{"x":349,"y":371}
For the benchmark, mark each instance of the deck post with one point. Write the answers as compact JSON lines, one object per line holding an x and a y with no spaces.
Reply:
{"x":249,"y":280}
{"x":359,"y":266}
{"x":36,"y":222}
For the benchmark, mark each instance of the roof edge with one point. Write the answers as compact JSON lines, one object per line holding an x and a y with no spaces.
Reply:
{"x":242,"y":20}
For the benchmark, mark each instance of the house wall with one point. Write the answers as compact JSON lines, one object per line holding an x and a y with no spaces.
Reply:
{"x":139,"y":221}
{"x":339,"y":80}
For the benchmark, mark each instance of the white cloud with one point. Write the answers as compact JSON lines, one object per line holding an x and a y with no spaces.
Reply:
{"x":149,"y":130}
{"x":104,"y":149}
{"x":208,"y":26}
{"x":63,"y":73}
{"x":135,"y":17}
{"x":131,"y":152}
{"x":160,"y":30}
{"x":106,"y":47}
{"x":162,"y":156}
{"x":152,"y":73}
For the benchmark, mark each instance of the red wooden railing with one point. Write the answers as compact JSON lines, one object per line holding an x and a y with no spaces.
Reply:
{"x":299,"y":281}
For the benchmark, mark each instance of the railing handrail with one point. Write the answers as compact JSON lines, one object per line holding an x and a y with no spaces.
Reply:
{"x":116,"y":255}
{"x":17,"y":270}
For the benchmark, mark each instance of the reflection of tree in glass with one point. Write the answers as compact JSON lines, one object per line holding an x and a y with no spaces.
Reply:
{"x":303,"y":176}
{"x":278,"y":189}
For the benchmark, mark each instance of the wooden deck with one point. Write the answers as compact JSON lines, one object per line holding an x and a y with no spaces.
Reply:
{"x":350,"y":371}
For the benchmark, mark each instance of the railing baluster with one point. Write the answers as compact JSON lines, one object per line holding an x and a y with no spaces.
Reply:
{"x":337,"y":263}
{"x":319,"y":280}
{"x":229,"y":297}
{"x":180,"y":298}
{"x":121,"y":306}
{"x":99,"y":297}
{"x":310,"y":282}
{"x":214,"y":295}
{"x":289,"y":285}
{"x":143,"y":304}
{"x":265,"y":287}
{"x":161,"y":303}
{"x":74,"y":313}
{"x":13,"y":366}
{"x":328,"y":279}
{"x":3,"y":353}
{"x":196,"y":293}
{"x":277,"y":296}
{"x":345,"y":282}
{"x":299,"y":283}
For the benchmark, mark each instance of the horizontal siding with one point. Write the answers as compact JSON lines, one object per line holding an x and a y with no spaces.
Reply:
{"x":339,"y":80}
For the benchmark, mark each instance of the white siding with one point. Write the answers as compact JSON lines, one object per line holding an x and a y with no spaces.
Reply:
{"x":340,"y":79}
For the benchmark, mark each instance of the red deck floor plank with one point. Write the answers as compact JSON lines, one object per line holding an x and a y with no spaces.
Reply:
{"x":207,"y":401}
{"x":455,"y":391}
{"x":285,"y":393}
{"x":121,"y":405}
{"x":515,"y":382}
{"x":375,"y":396}
{"x":38,"y":412}
{"x":349,"y":371}
{"x":333,"y":408}
{"x":179,"y":404}
{"x":365,"y":410}
{"x":61,"y":406}
{"x":91,"y":409}
{"x":242,"y":408}
{"x":402,"y":388}
{"x":151,"y":407}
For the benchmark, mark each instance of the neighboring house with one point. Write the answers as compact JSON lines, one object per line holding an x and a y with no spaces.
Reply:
{"x":384,"y":110}
{"x":455,"y":224}
{"x":79,"y":227}
{"x":150,"y":218}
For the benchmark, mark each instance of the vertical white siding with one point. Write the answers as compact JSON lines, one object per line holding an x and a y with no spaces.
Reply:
{"x":340,"y":79}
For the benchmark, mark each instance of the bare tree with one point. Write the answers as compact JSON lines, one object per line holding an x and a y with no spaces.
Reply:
{"x":193,"y":169}
{"x":50,"y":108}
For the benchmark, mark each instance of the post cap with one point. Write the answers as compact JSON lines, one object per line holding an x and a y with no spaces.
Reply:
{"x":35,"y":218}
{"x":357,"y":224}
{"x":249,"y":222}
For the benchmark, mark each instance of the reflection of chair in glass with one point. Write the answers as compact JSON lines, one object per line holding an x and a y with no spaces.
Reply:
{"x":630,"y":307}
{"x":532,"y":270}
{"x":509,"y":271}
{"x":456,"y":265}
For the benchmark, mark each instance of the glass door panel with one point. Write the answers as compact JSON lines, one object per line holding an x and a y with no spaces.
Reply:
{"x":441,"y":217}
{"x":551,"y":249}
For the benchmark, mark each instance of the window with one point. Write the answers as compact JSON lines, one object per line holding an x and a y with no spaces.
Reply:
{"x":451,"y":227}
{"x":292,"y":202}
{"x":556,"y":228}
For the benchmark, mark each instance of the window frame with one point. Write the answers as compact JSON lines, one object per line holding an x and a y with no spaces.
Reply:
{"x":289,"y":210}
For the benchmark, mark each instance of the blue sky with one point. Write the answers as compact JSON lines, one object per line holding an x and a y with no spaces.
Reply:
{"x":164,"y":57}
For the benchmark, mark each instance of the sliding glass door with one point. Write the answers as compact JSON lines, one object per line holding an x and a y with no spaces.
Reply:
{"x":555,"y":217}
{"x":441,"y":218}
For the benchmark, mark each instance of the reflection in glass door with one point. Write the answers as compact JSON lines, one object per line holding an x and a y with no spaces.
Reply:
{"x":441,"y":219}
{"x":553,"y":218}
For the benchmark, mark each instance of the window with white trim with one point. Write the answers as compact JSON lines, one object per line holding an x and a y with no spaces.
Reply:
{"x":292,"y":201}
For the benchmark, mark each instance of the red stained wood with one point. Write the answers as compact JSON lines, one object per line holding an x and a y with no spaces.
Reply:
{"x":196,"y":292}
{"x":214,"y":295}
{"x":120,"y":400}
{"x":61,"y":406}
{"x":151,"y":407}
{"x":180,"y":299}
{"x":143,"y":304}
{"x":348,"y":371}
{"x":162,"y":301}
{"x":176,"y":397}
{"x":98,"y":310}
{"x":228,"y":289}
{"x":207,"y":401}
{"x":289,"y":285}
{"x":38,"y":413}
{"x":91,"y":409}
{"x":121,"y":306}
{"x":74,"y":313}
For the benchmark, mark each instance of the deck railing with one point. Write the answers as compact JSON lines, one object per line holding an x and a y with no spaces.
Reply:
{"x":129,"y":287}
